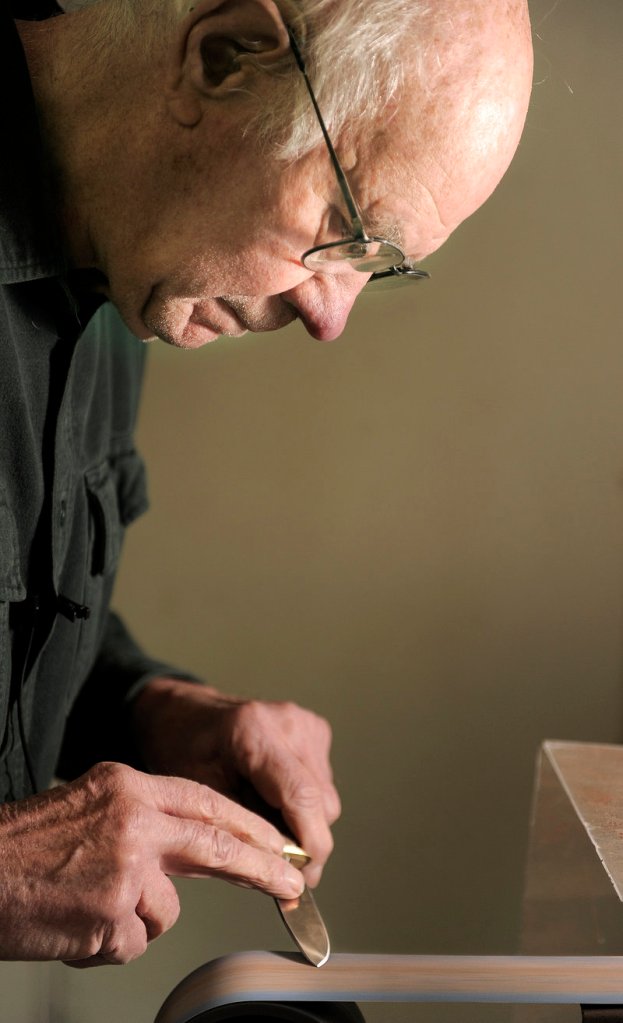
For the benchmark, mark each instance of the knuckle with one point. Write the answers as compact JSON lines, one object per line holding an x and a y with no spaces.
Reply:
{"x":119,"y":952}
{"x":223,"y":848}
{"x":106,"y":781}
{"x":248,"y":709}
{"x":304,"y":795}
{"x":287,"y":713}
{"x":91,"y":946}
{"x":125,"y":848}
{"x":319,"y":730}
{"x":169,"y":908}
{"x":250,"y":715}
{"x":123,"y":935}
{"x":270,"y":874}
{"x":113,"y":775}
{"x":291,"y":714}
{"x":129,"y":824}
{"x":211,"y":802}
{"x":276,"y":878}
{"x":116,"y":903}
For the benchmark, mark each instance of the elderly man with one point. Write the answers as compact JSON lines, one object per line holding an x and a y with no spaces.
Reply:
{"x":167,"y":169}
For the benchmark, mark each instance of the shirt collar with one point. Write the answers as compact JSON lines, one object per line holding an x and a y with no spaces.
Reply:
{"x":30,"y":237}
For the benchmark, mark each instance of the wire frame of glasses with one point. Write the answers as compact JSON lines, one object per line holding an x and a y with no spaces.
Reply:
{"x":383,"y":260}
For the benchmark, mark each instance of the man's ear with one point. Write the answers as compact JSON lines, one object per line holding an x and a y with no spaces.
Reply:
{"x":220,"y":44}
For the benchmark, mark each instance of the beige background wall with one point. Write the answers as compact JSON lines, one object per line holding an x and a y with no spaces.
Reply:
{"x":417,"y":530}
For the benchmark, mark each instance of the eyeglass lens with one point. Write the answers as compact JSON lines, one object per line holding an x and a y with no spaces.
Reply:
{"x":364,"y":256}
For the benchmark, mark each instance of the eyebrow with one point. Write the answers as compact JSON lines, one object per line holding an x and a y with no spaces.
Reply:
{"x":389,"y":229}
{"x":381,"y":226}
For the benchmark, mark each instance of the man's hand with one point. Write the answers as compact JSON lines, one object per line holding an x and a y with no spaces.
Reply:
{"x":276,"y":751}
{"x":83,"y":871}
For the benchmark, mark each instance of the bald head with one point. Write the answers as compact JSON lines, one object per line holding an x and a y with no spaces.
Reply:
{"x":440,"y":89}
{"x":461,"y":113}
{"x":425,"y":102}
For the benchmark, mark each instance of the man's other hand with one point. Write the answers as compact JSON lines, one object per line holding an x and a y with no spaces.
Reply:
{"x":84,"y":867}
{"x":277,"y":751}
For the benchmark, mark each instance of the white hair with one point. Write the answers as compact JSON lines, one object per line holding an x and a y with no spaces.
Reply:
{"x":354,"y":52}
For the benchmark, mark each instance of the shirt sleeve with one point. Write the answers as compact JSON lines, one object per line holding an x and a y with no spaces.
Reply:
{"x":98,"y":726}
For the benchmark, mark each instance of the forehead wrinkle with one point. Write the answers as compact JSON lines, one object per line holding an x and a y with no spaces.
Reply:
{"x":376,"y":183}
{"x":374,"y":223}
{"x":376,"y":188}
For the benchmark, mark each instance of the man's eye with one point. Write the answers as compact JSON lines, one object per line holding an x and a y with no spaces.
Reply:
{"x":336,"y":226}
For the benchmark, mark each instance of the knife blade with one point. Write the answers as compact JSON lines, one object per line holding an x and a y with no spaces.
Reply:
{"x":302,"y":916}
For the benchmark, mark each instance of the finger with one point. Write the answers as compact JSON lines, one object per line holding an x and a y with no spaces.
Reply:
{"x":190,"y":800}
{"x":158,"y":906}
{"x":313,"y":761}
{"x":332,"y":804}
{"x":313,"y":745}
{"x":195,"y":849}
{"x":316,"y":840}
{"x":122,"y":941}
{"x":157,"y":910}
{"x":308,"y":738}
{"x":288,"y":785}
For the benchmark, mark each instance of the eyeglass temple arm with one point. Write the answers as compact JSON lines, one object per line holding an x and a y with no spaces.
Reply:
{"x":349,"y":198}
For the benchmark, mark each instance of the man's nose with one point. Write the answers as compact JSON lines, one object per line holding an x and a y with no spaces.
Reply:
{"x":323,"y":302}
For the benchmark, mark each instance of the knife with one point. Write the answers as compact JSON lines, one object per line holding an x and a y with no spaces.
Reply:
{"x":302,"y":917}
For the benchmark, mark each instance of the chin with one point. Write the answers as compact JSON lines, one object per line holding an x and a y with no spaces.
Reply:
{"x":169,"y":320}
{"x":192,"y":336}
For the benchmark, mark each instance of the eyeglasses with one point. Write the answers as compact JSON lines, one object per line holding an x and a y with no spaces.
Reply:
{"x":380,"y":258}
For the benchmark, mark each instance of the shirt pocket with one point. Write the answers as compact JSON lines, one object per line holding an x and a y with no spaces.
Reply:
{"x":116,"y":492}
{"x":11,"y":589}
{"x":117,"y":495}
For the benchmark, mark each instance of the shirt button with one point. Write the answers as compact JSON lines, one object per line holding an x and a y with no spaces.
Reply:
{"x":62,"y":514}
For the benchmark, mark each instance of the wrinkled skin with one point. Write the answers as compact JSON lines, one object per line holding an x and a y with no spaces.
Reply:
{"x":84,"y":868}
{"x":197,"y":229}
{"x":278,"y":752}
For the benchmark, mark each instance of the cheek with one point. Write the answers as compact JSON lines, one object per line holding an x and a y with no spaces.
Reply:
{"x":261,"y":273}
{"x":255,"y":266}
{"x":219,"y":273}
{"x":202,"y":252}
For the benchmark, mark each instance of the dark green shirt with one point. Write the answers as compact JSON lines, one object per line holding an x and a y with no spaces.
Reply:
{"x":70,"y":477}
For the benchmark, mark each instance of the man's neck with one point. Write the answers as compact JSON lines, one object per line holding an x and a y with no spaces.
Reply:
{"x":52,"y":48}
